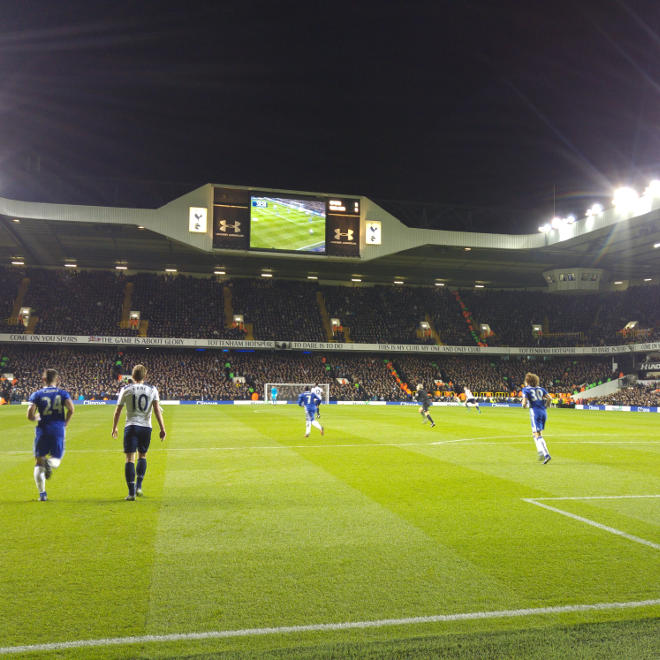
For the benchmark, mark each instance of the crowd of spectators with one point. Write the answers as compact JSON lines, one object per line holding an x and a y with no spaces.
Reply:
{"x":488,"y":374}
{"x":238,"y":374}
{"x":278,"y":310}
{"x":90,"y":303}
{"x":9,"y":282}
{"x":75,"y":302}
{"x":179,"y":306}
{"x":637,"y":395}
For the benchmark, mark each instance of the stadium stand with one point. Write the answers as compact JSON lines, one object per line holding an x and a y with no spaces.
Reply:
{"x":224,"y":375}
{"x":90,"y":303}
{"x":9,"y":282}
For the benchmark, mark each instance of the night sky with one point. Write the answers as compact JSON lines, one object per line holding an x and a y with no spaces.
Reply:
{"x":477,"y":103}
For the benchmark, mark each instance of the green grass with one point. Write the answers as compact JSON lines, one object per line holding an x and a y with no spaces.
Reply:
{"x":281,"y":227}
{"x":247,"y":524}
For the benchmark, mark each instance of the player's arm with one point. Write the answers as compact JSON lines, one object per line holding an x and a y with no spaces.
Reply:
{"x":115,"y":419}
{"x":547,"y":399}
{"x":32,"y":414}
{"x":159,"y":418}
{"x":68,"y":404}
{"x":525,"y":402}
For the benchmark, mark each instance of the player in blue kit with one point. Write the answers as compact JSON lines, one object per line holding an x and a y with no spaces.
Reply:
{"x":52,"y":408}
{"x":310,"y":402}
{"x":537,"y":399}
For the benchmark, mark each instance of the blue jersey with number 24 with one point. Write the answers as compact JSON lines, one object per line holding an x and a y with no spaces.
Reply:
{"x":50,"y":404}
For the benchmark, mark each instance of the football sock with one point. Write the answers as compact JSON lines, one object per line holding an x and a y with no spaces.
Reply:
{"x":430,"y":419}
{"x":308,"y":427}
{"x":40,"y":478}
{"x":141,"y":469}
{"x":540,"y":445}
{"x":129,"y":471}
{"x":54,"y":462}
{"x":317,"y":425}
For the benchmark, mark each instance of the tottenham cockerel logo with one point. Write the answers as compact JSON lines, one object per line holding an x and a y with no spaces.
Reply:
{"x":225,"y":226}
{"x":348,"y":234}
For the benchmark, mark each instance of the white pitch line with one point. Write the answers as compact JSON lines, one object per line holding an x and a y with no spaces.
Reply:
{"x":321,"y":627}
{"x":593,"y":523}
{"x":597,"y":497}
{"x":473,"y":441}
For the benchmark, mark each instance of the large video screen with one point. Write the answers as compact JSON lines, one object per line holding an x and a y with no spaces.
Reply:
{"x":287,"y":223}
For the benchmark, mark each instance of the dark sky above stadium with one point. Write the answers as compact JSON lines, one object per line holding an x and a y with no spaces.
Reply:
{"x":471,"y":102}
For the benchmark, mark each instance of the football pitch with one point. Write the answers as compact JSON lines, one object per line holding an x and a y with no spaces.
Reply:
{"x":383,"y":538}
{"x":282,"y":226}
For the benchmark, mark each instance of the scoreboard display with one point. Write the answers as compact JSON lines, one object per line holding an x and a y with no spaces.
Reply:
{"x":285,"y":222}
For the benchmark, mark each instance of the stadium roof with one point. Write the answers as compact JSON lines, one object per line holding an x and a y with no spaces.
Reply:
{"x":103,"y":237}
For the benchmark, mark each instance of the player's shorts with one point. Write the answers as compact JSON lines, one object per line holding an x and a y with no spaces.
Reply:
{"x":310,"y":414}
{"x":425,"y":406}
{"x":538,"y":417}
{"x":471,"y":402}
{"x":273,"y":397}
{"x":49,"y":440}
{"x":136,"y":438}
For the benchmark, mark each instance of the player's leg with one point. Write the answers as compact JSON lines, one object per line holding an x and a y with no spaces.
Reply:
{"x":308,"y":423}
{"x":56,"y":451}
{"x":40,"y":459}
{"x":317,"y":425}
{"x":538,"y":423}
{"x":540,"y":426}
{"x":428,"y":416}
{"x":423,"y":414}
{"x":130,"y":450}
{"x":144,"y":440}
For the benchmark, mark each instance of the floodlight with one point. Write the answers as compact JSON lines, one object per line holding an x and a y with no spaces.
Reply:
{"x":594,"y":210}
{"x":653,"y":189}
{"x":625,"y":199}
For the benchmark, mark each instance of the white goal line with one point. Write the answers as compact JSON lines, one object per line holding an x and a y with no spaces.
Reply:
{"x":321,"y":627}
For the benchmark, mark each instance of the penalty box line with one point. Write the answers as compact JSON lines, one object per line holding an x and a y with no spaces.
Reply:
{"x":321,"y":627}
{"x":587,"y":521}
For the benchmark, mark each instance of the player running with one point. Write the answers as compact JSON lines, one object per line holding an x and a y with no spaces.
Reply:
{"x":470,"y":401}
{"x":425,"y":403}
{"x":319,"y":393}
{"x":52,"y":409}
{"x":310,"y":402}
{"x":140,"y":399}
{"x":537,"y":399}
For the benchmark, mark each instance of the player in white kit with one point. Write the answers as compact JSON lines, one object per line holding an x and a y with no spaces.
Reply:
{"x":140,"y":400}
{"x":470,"y":400}
{"x":319,"y":393}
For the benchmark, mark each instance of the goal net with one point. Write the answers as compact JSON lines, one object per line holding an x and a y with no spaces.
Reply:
{"x":290,"y":391}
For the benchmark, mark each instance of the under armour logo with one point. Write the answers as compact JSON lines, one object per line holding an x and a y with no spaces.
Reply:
{"x":226,"y":226}
{"x":348,"y":234}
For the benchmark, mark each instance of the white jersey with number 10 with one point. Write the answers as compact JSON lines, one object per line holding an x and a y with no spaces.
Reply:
{"x":138,"y":399}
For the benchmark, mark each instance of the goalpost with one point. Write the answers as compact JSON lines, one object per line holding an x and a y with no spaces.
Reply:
{"x":290,"y":391}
